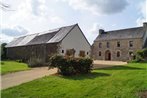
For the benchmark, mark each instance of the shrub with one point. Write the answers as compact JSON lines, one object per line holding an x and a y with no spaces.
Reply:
{"x":141,"y":55}
{"x":35,"y":62}
{"x":70,"y":65}
{"x":19,"y":61}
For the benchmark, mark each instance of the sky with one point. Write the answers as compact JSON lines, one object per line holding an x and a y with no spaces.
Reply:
{"x":32,"y":16}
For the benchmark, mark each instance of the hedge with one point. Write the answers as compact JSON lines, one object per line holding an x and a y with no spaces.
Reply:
{"x":70,"y":65}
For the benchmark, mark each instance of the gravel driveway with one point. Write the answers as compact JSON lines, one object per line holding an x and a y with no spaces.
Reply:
{"x":103,"y":64}
{"x":16,"y":78}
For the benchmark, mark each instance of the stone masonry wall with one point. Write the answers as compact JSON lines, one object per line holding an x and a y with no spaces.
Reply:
{"x":124,"y":49}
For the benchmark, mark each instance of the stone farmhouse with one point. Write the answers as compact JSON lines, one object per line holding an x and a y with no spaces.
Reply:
{"x":119,"y":45}
{"x":68,"y":40}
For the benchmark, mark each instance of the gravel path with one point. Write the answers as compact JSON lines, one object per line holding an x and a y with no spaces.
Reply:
{"x":17,"y":78}
{"x":103,"y":64}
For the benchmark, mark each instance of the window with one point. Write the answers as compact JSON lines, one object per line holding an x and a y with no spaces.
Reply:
{"x":70,"y":52}
{"x":131,"y":53}
{"x":100,"y":53}
{"x":118,"y":44}
{"x":118,"y":53}
{"x":108,"y":44}
{"x":82,"y":53}
{"x":62,"y":51}
{"x":131,"y":43}
{"x":100,"y":45}
{"x":87,"y":53}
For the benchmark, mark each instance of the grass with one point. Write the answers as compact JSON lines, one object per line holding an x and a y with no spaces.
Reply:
{"x":12,"y":66}
{"x":115,"y":82}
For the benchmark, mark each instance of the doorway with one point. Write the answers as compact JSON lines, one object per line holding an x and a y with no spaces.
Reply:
{"x":108,"y":55}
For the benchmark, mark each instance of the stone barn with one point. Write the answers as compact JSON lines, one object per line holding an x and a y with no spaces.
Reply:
{"x":42,"y":45}
{"x":119,"y":45}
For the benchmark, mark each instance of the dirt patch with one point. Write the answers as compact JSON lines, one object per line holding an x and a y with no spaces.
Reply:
{"x":142,"y":94}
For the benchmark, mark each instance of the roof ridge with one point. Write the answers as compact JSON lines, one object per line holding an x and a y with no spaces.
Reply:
{"x":38,"y":33}
{"x":124,"y":29}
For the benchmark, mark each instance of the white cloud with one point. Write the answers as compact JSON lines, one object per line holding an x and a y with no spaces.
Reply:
{"x":93,"y":32}
{"x":98,"y":7}
{"x":142,"y":11}
{"x":95,"y":27}
{"x":8,"y":33}
{"x":35,"y":15}
{"x":56,"y":19}
{"x":5,"y":38}
{"x":14,"y":31}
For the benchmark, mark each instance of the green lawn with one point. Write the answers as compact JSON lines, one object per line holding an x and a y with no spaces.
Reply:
{"x":115,"y":82}
{"x":12,"y":66}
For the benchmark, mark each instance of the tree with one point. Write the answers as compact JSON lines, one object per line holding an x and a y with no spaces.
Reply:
{"x":3,"y":51}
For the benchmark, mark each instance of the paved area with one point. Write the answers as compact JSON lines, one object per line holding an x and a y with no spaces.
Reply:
{"x":103,"y":64}
{"x":16,"y":78}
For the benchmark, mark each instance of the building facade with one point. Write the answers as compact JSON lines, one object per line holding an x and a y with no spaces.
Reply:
{"x":119,"y":45}
{"x":68,"y":40}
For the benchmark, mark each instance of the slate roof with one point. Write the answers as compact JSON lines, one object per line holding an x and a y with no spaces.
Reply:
{"x":129,"y":33}
{"x":50,"y":36}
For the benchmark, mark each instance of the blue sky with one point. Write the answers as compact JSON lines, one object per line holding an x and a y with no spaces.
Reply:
{"x":32,"y":16}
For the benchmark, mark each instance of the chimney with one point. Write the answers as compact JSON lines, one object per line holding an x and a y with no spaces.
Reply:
{"x":101,"y":31}
{"x":145,"y":25}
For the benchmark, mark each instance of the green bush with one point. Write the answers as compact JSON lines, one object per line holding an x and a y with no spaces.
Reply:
{"x":70,"y":65}
{"x":35,"y":62}
{"x":141,"y":55}
{"x":19,"y":61}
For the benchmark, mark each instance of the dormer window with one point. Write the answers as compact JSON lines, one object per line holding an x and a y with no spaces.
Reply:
{"x":131,"y":43}
{"x":118,"y":44}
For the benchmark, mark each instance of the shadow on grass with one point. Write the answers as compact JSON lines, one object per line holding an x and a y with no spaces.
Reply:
{"x":120,"y":68}
{"x":91,"y":75}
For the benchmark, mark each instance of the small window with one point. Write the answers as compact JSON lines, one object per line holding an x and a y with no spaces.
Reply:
{"x":108,"y":44}
{"x":118,"y":44}
{"x":82,"y":53}
{"x":87,"y":53}
{"x":70,"y":52}
{"x":131,"y":53}
{"x":118,"y":53}
{"x":131,"y":43}
{"x":62,"y":51}
{"x":100,"y":45}
{"x":100,"y":53}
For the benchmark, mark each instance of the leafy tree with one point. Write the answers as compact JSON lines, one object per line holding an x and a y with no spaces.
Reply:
{"x":3,"y":51}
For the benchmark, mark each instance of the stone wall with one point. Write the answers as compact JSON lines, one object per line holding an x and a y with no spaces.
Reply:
{"x":41,"y":51}
{"x":124,"y":49}
{"x":51,"y":49}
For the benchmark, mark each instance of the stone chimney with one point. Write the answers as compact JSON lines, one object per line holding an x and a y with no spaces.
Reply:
{"x":145,"y":25}
{"x":101,"y":31}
